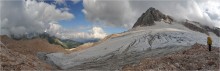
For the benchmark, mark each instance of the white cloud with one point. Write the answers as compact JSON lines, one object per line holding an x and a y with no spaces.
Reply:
{"x":92,"y":33}
{"x":64,"y":2}
{"x":54,"y":28}
{"x":60,"y":1}
{"x":115,"y":13}
{"x":75,"y":1}
{"x":98,"y":32}
{"x":21,"y":17}
{"x":46,"y":12}
{"x":124,"y":13}
{"x":212,"y":9}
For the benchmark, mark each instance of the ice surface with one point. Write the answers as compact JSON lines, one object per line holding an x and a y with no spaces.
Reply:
{"x":138,"y":39}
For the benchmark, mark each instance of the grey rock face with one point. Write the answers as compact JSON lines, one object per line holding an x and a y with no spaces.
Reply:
{"x":151,"y":15}
{"x":42,"y":56}
{"x":201,"y":28}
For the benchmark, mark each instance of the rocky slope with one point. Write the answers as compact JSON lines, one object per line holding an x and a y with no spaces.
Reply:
{"x":13,"y":60}
{"x":65,"y":43}
{"x":31,"y":46}
{"x":196,"y":57}
{"x":196,"y":26}
{"x":70,"y":43}
{"x":22,"y":54}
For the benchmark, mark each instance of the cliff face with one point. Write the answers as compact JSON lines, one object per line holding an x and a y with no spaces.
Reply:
{"x":151,"y":15}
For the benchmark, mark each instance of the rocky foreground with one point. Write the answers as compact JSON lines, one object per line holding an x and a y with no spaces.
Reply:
{"x":11,"y":60}
{"x":22,"y":54}
{"x":195,"y":58}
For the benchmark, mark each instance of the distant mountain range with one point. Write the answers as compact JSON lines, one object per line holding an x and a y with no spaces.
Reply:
{"x":65,"y":43}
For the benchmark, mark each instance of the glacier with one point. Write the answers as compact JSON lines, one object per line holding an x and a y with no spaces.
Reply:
{"x":137,"y":40}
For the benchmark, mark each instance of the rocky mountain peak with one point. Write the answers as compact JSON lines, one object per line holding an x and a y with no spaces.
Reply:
{"x":151,"y":15}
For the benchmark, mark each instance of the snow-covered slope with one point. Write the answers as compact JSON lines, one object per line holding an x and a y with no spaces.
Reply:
{"x":135,"y":40}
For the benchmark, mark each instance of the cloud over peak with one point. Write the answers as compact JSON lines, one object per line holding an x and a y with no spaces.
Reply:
{"x":124,"y":13}
{"x":114,"y":13}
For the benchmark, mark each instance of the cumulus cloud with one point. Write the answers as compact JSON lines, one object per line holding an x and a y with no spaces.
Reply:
{"x":212,"y":9}
{"x":75,"y":1}
{"x":97,"y":32}
{"x":124,"y":13}
{"x":60,"y":1}
{"x":54,"y":28}
{"x":115,"y":13}
{"x":92,"y":34}
{"x":22,"y":17}
{"x":64,"y":2}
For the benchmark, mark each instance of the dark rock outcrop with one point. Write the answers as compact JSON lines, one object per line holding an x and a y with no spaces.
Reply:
{"x":201,"y":28}
{"x":151,"y":15}
{"x":215,"y":30}
{"x":195,"y":28}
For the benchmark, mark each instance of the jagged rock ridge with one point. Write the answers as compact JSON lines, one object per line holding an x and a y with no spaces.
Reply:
{"x":151,"y":15}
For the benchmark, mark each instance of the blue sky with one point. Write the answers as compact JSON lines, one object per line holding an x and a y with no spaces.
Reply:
{"x":80,"y":20}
